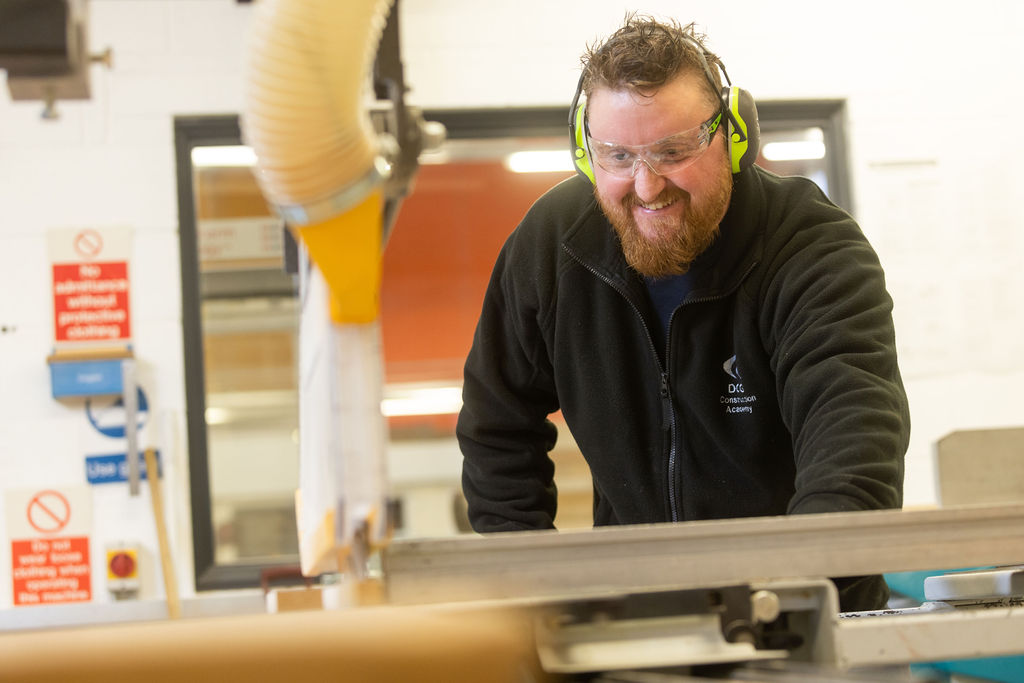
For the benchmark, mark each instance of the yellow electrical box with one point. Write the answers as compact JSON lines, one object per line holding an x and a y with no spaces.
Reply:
{"x":123,"y":570}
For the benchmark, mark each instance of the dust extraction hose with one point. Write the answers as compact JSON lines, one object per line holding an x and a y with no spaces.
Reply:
{"x":305,"y":110}
{"x":305,"y":116}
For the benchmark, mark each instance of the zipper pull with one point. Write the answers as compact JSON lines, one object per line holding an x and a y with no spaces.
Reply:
{"x":666,"y":404}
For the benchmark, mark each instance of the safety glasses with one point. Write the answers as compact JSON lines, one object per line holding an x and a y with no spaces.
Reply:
{"x":665,"y":156}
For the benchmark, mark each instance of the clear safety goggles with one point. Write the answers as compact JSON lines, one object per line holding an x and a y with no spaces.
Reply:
{"x":665,"y":156}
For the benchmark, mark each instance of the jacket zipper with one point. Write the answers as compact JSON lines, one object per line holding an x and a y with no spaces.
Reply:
{"x":668,"y":413}
{"x":666,"y":395}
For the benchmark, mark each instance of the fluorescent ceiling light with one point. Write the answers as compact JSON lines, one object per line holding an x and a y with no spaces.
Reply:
{"x":233,"y":155}
{"x":794,"y":150}
{"x":411,"y":399}
{"x":400,"y":399}
{"x":218,"y":416}
{"x":539,"y":161}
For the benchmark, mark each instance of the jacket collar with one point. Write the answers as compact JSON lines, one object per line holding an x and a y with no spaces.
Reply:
{"x":716,"y":272}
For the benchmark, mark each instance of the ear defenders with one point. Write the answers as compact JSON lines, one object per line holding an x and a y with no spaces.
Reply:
{"x":737,"y":107}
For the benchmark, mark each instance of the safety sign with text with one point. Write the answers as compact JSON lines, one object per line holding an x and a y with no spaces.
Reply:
{"x":105,"y":469}
{"x":90,"y":302}
{"x":91,"y":285}
{"x":50,"y":561}
{"x":51,"y":570}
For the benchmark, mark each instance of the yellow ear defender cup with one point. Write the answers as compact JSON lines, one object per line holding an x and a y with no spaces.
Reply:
{"x":738,"y":109}
{"x":578,"y":144}
{"x":743,"y":128}
{"x":740,"y":113}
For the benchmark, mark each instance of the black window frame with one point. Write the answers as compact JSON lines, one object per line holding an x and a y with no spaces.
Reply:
{"x":224,"y":129}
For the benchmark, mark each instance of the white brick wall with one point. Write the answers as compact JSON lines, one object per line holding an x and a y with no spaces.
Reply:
{"x":108,"y":162}
{"x":932,"y":105}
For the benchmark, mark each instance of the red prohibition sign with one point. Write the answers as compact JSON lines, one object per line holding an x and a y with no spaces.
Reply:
{"x":48,"y":512}
{"x":88,"y":243}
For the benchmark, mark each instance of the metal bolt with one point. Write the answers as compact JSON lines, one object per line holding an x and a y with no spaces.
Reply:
{"x":764,"y":606}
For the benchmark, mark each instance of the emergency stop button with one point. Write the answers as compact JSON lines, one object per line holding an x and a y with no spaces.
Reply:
{"x":123,"y":571}
{"x":121,"y":564}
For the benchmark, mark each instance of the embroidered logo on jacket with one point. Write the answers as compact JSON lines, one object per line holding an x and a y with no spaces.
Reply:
{"x":736,"y":400}
{"x":730,"y":368}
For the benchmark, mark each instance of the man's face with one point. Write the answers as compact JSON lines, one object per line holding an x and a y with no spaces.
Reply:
{"x":664,"y":221}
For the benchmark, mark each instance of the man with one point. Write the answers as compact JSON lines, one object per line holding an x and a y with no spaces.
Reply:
{"x":718,"y":339}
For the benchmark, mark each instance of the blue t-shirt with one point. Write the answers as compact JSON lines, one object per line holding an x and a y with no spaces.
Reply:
{"x":666,"y":294}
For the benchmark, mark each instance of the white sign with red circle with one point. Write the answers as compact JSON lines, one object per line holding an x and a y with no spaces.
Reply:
{"x":88,"y":243}
{"x":90,"y":284}
{"x":49,"y":530}
{"x":57,"y":511}
{"x":48,"y":512}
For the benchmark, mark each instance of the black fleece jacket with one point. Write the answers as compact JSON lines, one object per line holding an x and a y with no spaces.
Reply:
{"x":777,"y":392}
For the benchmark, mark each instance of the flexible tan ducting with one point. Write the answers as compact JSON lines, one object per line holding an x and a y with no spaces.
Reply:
{"x":305,"y":98}
{"x":305,"y":115}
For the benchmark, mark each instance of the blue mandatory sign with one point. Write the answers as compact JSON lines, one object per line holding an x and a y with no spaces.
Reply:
{"x":109,"y":418}
{"x":107,"y":469}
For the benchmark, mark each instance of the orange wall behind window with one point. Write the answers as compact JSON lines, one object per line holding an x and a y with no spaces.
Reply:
{"x":439,"y":258}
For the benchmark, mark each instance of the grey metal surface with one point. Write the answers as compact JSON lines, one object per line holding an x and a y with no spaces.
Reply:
{"x":927,"y":635}
{"x":538,"y":565}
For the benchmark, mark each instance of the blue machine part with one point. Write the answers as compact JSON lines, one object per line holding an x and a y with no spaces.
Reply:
{"x":998,"y":669}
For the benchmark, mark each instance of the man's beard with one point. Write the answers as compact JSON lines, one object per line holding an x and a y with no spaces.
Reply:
{"x":678,"y":241}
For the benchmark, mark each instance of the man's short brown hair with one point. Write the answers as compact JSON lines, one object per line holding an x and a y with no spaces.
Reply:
{"x":645,"y":54}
